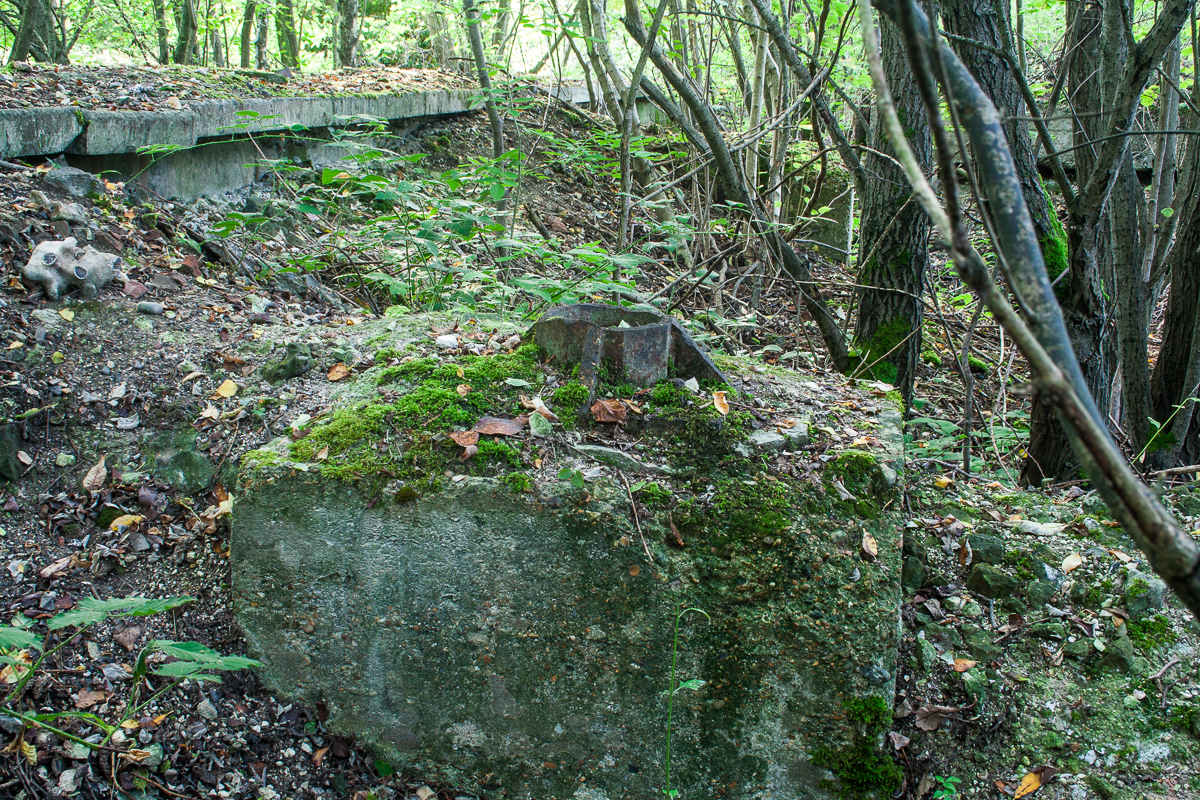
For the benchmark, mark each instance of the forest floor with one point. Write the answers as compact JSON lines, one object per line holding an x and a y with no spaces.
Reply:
{"x":1036,"y":649}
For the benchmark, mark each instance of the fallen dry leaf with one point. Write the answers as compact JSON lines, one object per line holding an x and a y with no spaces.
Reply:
{"x":338,"y":371}
{"x":324,"y":454}
{"x":673,"y":537}
{"x":494,"y":426}
{"x":424,"y":793}
{"x":319,"y":756}
{"x":125,"y":520}
{"x":608,"y":411}
{"x":226,"y":389}
{"x":929,"y":718}
{"x":465,"y":438}
{"x":25,"y":458}
{"x":128,"y":637}
{"x":899,"y":740}
{"x":94,"y":480}
{"x":963,"y":664}
{"x":1035,"y":779}
{"x":1072,"y":562}
{"x":720,"y":403}
{"x":88,"y":698}
{"x":870,"y":547}
{"x":66,"y":314}
{"x":463,"y":389}
{"x":942,"y":482}
{"x":468,"y":451}
{"x":55,"y":568}
{"x":785,"y":424}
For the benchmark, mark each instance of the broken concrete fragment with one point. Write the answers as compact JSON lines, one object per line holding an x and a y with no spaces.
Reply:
{"x":641,"y":346}
{"x":64,"y":266}
{"x":297,"y":360}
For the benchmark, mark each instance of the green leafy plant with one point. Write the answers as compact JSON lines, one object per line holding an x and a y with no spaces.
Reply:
{"x":947,"y":787}
{"x":572,"y":475}
{"x":173,"y":661}
{"x":673,"y":689}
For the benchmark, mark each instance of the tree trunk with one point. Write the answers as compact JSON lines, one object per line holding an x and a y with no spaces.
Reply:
{"x":345,"y":50}
{"x":1177,"y":371}
{"x":977,"y":20}
{"x":285,"y":33}
{"x":31,"y":20}
{"x":189,"y":25}
{"x":262,"y":27}
{"x":471,"y":14}
{"x":893,"y":247}
{"x":444,"y":52}
{"x":247,"y":33}
{"x":500,"y":31}
{"x":1085,"y":304}
{"x":162,"y":32}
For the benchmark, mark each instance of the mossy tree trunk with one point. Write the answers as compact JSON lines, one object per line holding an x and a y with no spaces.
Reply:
{"x":285,"y":31}
{"x":161,"y":31}
{"x":247,"y":34}
{"x":1177,"y":371}
{"x":345,"y":50}
{"x":1112,"y":256}
{"x":189,"y":26}
{"x":1086,"y":292}
{"x":893,"y":243}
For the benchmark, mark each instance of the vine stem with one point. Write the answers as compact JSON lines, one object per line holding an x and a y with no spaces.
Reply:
{"x":671,"y":691}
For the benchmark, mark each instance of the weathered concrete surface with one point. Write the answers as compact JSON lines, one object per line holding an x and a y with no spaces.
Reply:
{"x":37,"y":131}
{"x":100,"y":132}
{"x":517,"y":643}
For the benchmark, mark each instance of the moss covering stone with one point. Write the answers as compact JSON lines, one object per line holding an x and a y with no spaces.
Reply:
{"x":461,"y":620}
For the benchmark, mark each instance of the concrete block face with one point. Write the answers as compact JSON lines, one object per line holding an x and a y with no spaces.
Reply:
{"x":517,"y":643}
{"x":37,"y":131}
{"x":109,"y":132}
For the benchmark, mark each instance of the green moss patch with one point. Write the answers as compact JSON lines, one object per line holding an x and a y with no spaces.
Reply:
{"x":863,"y":768}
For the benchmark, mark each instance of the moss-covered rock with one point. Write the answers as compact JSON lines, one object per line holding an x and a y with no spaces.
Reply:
{"x":992,"y":582}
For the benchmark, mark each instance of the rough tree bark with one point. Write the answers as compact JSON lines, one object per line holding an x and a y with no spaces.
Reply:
{"x":978,"y":21}
{"x":31,"y":20}
{"x":345,"y":50}
{"x":893,"y":247}
{"x":161,"y":31}
{"x":1107,"y":75}
{"x":189,"y":26}
{"x":285,"y":32}
{"x":247,"y":34}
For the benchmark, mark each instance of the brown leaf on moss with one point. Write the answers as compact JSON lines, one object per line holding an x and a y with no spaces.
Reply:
{"x":494,"y":426}
{"x":465,"y":438}
{"x":608,"y":411}
{"x":673,"y":537}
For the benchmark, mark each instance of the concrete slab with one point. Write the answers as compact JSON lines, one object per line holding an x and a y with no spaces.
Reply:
{"x":37,"y":131}
{"x":108,"y":132}
{"x":97,"y":132}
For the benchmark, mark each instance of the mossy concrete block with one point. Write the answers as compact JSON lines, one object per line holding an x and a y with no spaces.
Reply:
{"x":177,"y":462}
{"x":991,"y":582}
{"x":1143,"y":594}
{"x":108,"y":132}
{"x":477,"y":635}
{"x":1118,"y":656}
{"x":10,"y":465}
{"x":982,"y":648}
{"x":1038,"y":593}
{"x":37,"y":131}
{"x":297,"y":360}
{"x":986,"y":549}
